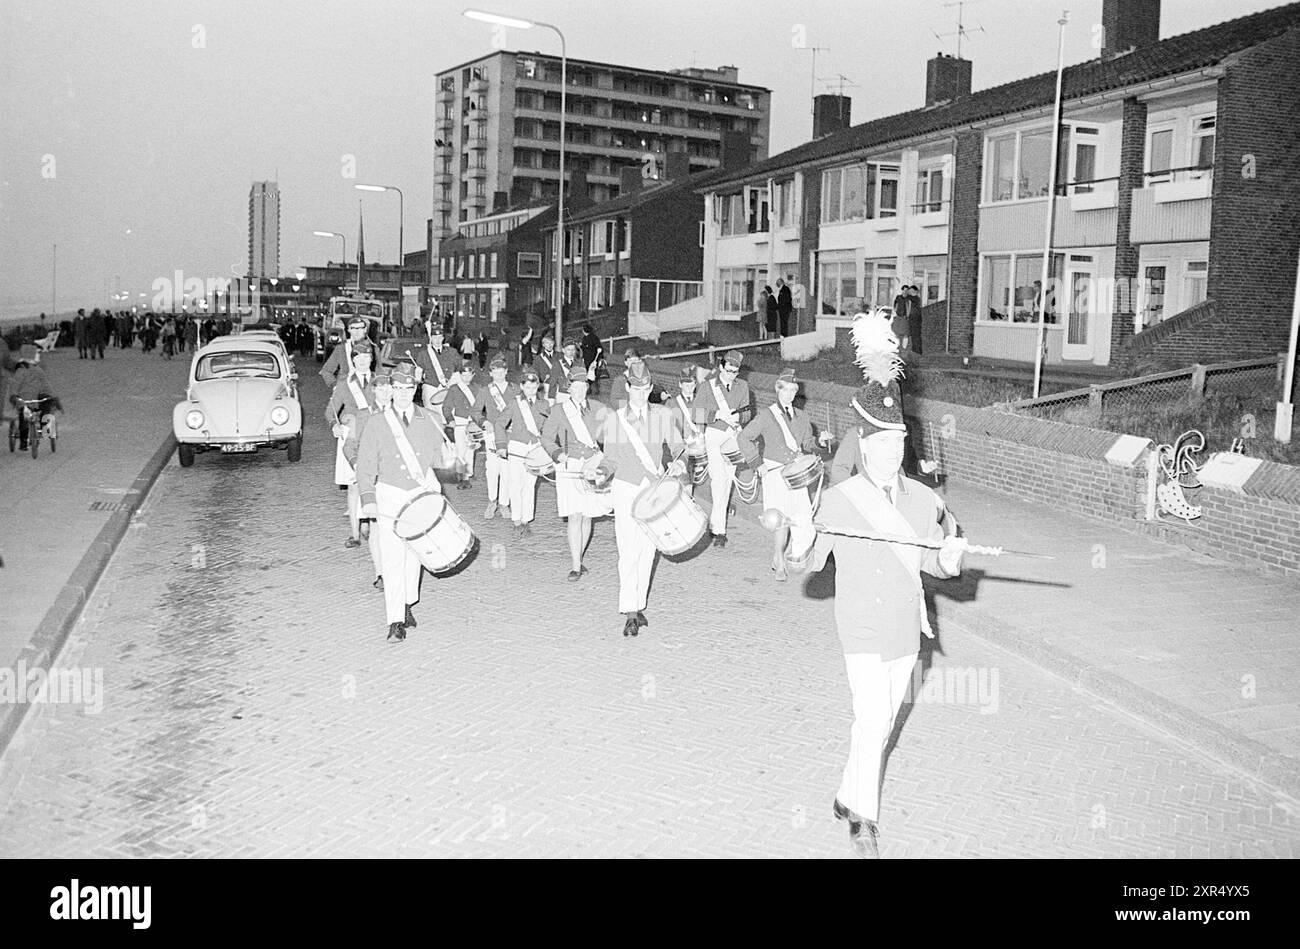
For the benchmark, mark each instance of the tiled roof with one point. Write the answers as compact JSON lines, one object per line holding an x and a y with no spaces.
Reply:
{"x":1170,"y":57}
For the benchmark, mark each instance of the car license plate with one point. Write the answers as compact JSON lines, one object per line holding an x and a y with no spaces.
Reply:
{"x":235,"y":448}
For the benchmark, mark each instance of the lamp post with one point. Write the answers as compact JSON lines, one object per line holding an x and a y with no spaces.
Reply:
{"x":500,"y":20}
{"x":340,"y":237}
{"x":401,"y":242}
{"x":1051,"y":210}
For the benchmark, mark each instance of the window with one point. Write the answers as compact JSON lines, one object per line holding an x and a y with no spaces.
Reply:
{"x":494,"y":265}
{"x":881,"y":280}
{"x":1079,"y":150}
{"x":831,"y":205}
{"x":783,"y":202}
{"x":757,"y":211}
{"x":1153,"y":293}
{"x":528,"y":265}
{"x":625,"y":246}
{"x":854,"y":208}
{"x":1160,"y":153}
{"x":1019,"y":165}
{"x":884,"y":195}
{"x":837,"y":287}
{"x":736,"y":288}
{"x":1194,"y":283}
{"x":470,"y":275}
{"x":929,"y":190}
{"x":731,"y":214}
{"x":1011,"y":288}
{"x":460,"y":268}
{"x":597,"y":297}
{"x":1203,"y":144}
{"x":442,"y":268}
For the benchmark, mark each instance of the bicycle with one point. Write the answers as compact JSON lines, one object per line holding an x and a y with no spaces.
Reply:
{"x":30,"y":425}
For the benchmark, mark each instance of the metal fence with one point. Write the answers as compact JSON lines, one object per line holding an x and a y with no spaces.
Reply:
{"x":1126,"y":402}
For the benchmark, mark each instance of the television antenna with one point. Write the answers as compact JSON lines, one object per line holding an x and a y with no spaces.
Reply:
{"x":961,"y":32}
{"x":812,"y":84}
{"x":839,"y":80}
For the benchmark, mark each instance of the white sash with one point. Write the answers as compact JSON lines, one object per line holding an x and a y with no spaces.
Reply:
{"x":636,"y":442}
{"x":691,"y":427}
{"x":883,"y":516}
{"x":437,"y":365}
{"x":497,"y":397}
{"x":580,"y":430}
{"x":407,"y":451}
{"x":358,"y":394}
{"x":721,"y":398}
{"x":530,"y":423}
{"x":790,"y":442}
{"x":546,"y":359}
{"x":469,"y":396}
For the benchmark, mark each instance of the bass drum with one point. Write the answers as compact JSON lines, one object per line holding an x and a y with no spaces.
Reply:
{"x":438,"y":535}
{"x":670,"y":516}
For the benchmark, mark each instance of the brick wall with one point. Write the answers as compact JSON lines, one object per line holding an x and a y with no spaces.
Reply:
{"x":963,"y":262}
{"x":809,"y":237}
{"x":1065,"y":466}
{"x":1126,"y":252}
{"x":1254,"y":228}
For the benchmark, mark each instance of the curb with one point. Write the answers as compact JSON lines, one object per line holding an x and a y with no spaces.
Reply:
{"x":50,"y":636}
{"x":1269,"y":767}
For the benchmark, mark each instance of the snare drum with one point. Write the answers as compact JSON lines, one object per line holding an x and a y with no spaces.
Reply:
{"x":436,"y":533}
{"x":537,"y":462}
{"x":696,"y":448}
{"x":802,"y":471}
{"x":670,"y":516}
{"x":730,"y":450}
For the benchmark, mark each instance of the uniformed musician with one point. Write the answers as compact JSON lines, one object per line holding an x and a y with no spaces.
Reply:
{"x":352,"y":394}
{"x":435,"y":365}
{"x":569,"y":361}
{"x":340,"y":361}
{"x":724,"y":402}
{"x":383,"y":394}
{"x":489,"y":407}
{"x":571,"y":435}
{"x":399,"y":450}
{"x":518,"y":431}
{"x":637,"y":435}
{"x":685,"y":410}
{"x":785,"y":432}
{"x":459,"y":409}
{"x":546,"y":365}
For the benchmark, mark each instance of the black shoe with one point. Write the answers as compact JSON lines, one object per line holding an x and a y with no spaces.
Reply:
{"x":379,"y":584}
{"x":577,"y":574}
{"x":396,"y":632}
{"x":525,"y":530}
{"x":719,"y":540}
{"x":862,"y":833}
{"x":640,"y":620}
{"x":351,"y":543}
{"x":409,"y":622}
{"x":464,"y":486}
{"x":631,"y":626}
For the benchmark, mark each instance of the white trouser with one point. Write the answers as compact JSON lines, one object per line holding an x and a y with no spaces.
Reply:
{"x":464,"y":447}
{"x":794,"y":503}
{"x":522,"y":485}
{"x":398,"y":563}
{"x":878,"y":687}
{"x":721,"y":475}
{"x":498,"y":477}
{"x":636,"y":551}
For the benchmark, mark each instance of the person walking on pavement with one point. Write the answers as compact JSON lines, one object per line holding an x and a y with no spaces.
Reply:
{"x":396,"y":458}
{"x":96,"y":330}
{"x":352,"y":394}
{"x":168,"y":338}
{"x":725,"y":404}
{"x":570,"y":437}
{"x":192,"y":334}
{"x":382,"y":390}
{"x":784,"y":306}
{"x":435,"y":365}
{"x":481,"y":348}
{"x":518,"y":430}
{"x":459,"y":410}
{"x":636,"y":439}
{"x":769,"y":323}
{"x":79,"y":333}
{"x":340,"y":361}
{"x":489,"y":407}
{"x":880,"y":611}
{"x":785,"y":433}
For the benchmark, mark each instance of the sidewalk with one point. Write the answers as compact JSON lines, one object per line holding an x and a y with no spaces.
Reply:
{"x":1198,"y":648}
{"x":52,"y":508}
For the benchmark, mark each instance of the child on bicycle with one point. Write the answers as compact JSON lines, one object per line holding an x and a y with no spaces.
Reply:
{"x":29,"y":384}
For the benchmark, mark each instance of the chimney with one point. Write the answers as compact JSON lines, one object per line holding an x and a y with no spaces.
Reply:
{"x":678,"y":166}
{"x":500,"y":201}
{"x":1128,"y":24}
{"x":735,"y":149}
{"x":577,"y":196}
{"x":629,"y":179}
{"x":947,"y":79}
{"x":830,"y":114}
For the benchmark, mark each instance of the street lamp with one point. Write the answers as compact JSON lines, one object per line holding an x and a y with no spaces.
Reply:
{"x":517,"y":23}
{"x":338,"y":235}
{"x":401,"y":242}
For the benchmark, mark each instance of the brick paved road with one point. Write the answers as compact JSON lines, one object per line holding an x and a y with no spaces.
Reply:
{"x":253,"y":708}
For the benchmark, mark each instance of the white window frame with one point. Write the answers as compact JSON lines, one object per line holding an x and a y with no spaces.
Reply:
{"x":493,"y":259}
{"x":532,"y":258}
{"x":874,"y":176}
{"x":871,"y":276}
{"x":1195,"y":134}
{"x":1095,"y":139}
{"x":925,"y":196}
{"x":990,"y":182}
{"x":626,"y":250}
{"x":782,"y":212}
{"x":1154,"y":129}
{"x":1186,"y":300}
{"x":1013,"y":258}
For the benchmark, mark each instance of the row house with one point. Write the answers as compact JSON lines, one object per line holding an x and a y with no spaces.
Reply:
{"x":1174,"y":231}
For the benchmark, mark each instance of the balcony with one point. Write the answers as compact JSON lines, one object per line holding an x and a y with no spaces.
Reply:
{"x":1174,"y":206}
{"x":478,"y":115}
{"x":441,"y":204}
{"x":444,"y":123}
{"x":478,"y":143}
{"x":445,"y":96}
{"x":443,"y":178}
{"x":476,"y":200}
{"x":476,"y":87}
{"x":476,"y":172}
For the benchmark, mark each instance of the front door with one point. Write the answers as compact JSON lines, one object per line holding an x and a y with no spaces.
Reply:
{"x":1080,"y":307}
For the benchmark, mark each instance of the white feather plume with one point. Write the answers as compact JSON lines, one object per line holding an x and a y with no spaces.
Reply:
{"x":876,"y":347}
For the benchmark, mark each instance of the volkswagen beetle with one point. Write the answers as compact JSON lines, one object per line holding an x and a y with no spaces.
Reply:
{"x":242,"y":396}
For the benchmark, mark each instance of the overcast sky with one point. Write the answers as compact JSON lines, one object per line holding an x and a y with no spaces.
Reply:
{"x":132,"y":130}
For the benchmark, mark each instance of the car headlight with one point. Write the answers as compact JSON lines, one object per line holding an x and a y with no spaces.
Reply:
{"x":279,"y":415}
{"x":194,"y":419}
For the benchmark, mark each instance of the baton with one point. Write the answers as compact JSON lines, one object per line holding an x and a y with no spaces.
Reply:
{"x":772,"y":519}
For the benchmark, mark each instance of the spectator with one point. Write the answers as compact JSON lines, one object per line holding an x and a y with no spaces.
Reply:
{"x":96,"y":333}
{"x":784,"y":306}
{"x":192,"y":334}
{"x":482,"y":347}
{"x":168,"y":333}
{"x":79,"y":333}
{"x":769,"y":320}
